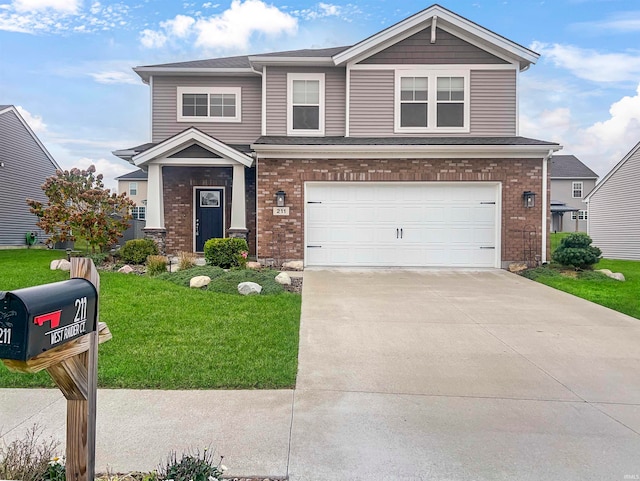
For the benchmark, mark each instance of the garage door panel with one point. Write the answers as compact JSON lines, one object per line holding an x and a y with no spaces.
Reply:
{"x":402,"y":224}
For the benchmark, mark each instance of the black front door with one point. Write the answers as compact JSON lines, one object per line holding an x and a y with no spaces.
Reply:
{"x":209,"y":215}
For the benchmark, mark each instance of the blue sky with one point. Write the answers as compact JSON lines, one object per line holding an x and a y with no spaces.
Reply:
{"x":67,"y":63}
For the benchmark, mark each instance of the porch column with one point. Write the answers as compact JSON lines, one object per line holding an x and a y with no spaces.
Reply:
{"x":154,"y":226}
{"x":238,"y":226}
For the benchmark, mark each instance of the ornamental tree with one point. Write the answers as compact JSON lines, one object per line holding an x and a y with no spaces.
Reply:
{"x":80,"y":206}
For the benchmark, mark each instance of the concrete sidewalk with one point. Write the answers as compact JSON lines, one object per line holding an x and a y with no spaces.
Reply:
{"x":404,"y":375}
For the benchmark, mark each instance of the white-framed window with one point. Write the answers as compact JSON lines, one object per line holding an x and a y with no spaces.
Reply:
{"x":580,"y":215}
{"x":209,"y":104}
{"x":133,"y":188}
{"x":305,"y":103}
{"x":432,"y":101}
{"x":576,"y":190}
{"x":139,"y":212}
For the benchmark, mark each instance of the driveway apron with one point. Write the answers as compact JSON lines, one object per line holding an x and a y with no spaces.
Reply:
{"x":451,"y":375}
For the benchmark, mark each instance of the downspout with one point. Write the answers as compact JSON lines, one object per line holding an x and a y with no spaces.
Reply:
{"x":545,"y":183}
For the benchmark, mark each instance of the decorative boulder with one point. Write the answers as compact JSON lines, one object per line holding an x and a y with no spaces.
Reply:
{"x":199,"y":282}
{"x":618,"y":276}
{"x":254,"y":265}
{"x":293,"y":266}
{"x":60,"y":264}
{"x":517,"y":267}
{"x":200,"y":261}
{"x":606,"y":272}
{"x":126,"y":269}
{"x":283,"y":279}
{"x":247,"y":288}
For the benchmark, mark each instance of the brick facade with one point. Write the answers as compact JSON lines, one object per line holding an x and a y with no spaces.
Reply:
{"x":282,"y":237}
{"x":178,"y":185}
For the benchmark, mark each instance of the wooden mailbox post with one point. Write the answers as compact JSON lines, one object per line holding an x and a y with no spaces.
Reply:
{"x":56,"y":327}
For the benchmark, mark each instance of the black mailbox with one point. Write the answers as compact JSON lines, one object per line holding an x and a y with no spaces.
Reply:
{"x":36,"y":319}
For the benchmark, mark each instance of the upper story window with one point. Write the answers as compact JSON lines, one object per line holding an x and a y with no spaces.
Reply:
{"x":209,"y":104}
{"x":305,"y":104}
{"x":133,"y":188}
{"x":576,"y":188}
{"x":432,"y":101}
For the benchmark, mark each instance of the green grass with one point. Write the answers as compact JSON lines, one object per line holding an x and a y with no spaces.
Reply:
{"x":620,"y":296}
{"x":556,"y":238}
{"x":169,"y":337}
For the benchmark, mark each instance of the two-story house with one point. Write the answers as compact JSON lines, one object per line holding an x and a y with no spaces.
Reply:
{"x":400,"y":150}
{"x":134,"y":184}
{"x":571,"y":181}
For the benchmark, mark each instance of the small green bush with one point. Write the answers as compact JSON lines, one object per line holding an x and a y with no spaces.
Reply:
{"x":227,"y":253}
{"x":156,"y":265}
{"x":576,"y":251}
{"x":542,"y":271}
{"x":136,"y":251}
{"x":98,"y":258}
{"x":191,"y":467}
{"x":182,"y":278}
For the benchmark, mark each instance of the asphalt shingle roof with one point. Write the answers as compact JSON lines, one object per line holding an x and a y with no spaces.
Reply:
{"x":135,"y":175}
{"x":569,"y":166}
{"x":273,"y":140}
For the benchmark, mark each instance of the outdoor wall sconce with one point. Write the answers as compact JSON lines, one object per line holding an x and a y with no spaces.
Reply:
{"x":280,"y":197}
{"x":529,"y":199}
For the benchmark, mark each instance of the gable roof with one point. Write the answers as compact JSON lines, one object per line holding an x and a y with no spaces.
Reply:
{"x":569,"y":167}
{"x":447,"y":20}
{"x":339,"y":56}
{"x":624,"y":160}
{"x":186,"y":138}
{"x":5,"y":109}
{"x":135,"y":175}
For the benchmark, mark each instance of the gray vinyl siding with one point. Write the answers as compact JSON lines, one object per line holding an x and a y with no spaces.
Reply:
{"x":371,"y":108}
{"x":614,"y":224}
{"x":335,"y":95}
{"x":492,"y":103}
{"x":418,"y":49}
{"x":26,"y":166}
{"x":562,"y":191}
{"x":165,"y":109}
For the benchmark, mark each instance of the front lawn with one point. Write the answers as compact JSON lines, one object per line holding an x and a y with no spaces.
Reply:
{"x":620,"y":296}
{"x":170,"y":337}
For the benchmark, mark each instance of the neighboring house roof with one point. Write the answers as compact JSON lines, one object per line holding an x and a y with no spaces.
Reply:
{"x":569,"y":167}
{"x":135,"y":175}
{"x":435,"y":16}
{"x":613,"y":171}
{"x":558,"y":207}
{"x":5,"y":109}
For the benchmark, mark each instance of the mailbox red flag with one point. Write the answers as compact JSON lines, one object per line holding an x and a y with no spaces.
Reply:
{"x":53,"y":317}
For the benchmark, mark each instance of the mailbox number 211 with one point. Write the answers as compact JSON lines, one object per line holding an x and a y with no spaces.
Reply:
{"x":81,"y":309}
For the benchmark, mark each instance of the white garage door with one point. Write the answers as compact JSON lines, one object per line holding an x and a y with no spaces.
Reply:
{"x":402,"y":224}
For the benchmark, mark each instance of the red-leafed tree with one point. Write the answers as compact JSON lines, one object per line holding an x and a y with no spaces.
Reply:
{"x":80,"y":206}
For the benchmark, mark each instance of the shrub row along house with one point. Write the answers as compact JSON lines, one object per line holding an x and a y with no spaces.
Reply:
{"x":400,"y":150}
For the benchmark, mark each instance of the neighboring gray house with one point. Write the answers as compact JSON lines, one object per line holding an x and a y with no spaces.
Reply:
{"x":24,"y":165}
{"x":571,"y":181}
{"x":400,"y":150}
{"x":613,"y":222}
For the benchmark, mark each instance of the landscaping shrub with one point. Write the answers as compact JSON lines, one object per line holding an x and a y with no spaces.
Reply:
{"x":31,"y":459}
{"x":182,"y":278}
{"x":157,"y":265}
{"x":226,"y":253}
{"x":576,"y":251}
{"x":98,"y":258}
{"x":543,"y":271}
{"x":136,"y":251}
{"x":186,"y":260}
{"x":191,"y":467}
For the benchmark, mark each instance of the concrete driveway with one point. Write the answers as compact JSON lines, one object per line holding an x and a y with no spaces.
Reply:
{"x":456,"y":375}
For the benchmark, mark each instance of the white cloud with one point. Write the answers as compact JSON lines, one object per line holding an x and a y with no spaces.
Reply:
{"x":109,"y":169}
{"x":230,"y":30}
{"x":621,"y":22}
{"x":590,"y":64}
{"x":179,"y":27}
{"x":35,"y":121}
{"x":64,"y":6}
{"x":152,"y":39}
{"x":322,"y":10}
{"x":551,"y":124}
{"x":115,"y":77}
